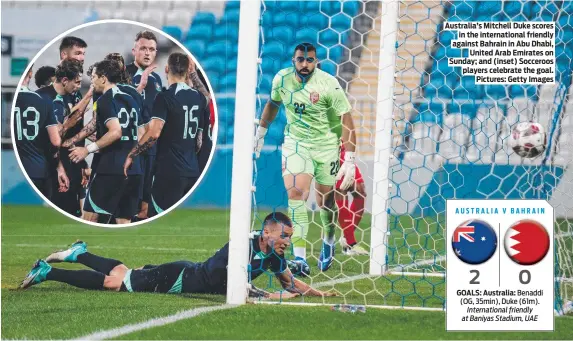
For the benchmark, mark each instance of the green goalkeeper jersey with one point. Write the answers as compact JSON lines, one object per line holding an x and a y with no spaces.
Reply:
{"x":313,"y":109}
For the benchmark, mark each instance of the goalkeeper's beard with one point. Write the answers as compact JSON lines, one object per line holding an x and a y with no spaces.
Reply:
{"x":304,"y":77}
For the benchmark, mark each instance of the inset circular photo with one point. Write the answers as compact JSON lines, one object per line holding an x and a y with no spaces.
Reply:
{"x":112,"y":123}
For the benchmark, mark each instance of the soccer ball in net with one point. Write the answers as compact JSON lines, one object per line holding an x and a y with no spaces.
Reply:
{"x":528,"y":139}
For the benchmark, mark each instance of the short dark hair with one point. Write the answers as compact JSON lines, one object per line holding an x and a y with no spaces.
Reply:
{"x":70,"y":41}
{"x":68,"y":68}
{"x":44,"y":76}
{"x":304,"y":47}
{"x":115,"y":56}
{"x":277,"y":217}
{"x":178,"y":64}
{"x":110,"y":69}
{"x":146,"y":35}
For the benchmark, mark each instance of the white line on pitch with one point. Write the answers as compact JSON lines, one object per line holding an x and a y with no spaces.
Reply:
{"x":156,"y":322}
{"x":99,"y":247}
{"x":341,"y":280}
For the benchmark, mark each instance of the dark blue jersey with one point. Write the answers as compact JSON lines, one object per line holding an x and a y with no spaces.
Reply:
{"x":32,"y":116}
{"x":115,"y":104}
{"x":62,"y":108}
{"x":153,"y":87}
{"x":182,"y":110}
{"x":214,"y":269}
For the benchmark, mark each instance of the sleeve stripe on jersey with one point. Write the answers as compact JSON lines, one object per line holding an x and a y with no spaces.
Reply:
{"x":51,"y":125}
{"x":157,"y":118}
{"x":142,"y":125}
{"x":111,"y":118}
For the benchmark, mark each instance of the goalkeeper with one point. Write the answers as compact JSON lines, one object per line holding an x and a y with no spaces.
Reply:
{"x":266,"y":254}
{"x":318,"y":113}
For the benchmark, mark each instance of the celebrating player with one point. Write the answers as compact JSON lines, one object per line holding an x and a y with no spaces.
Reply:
{"x":178,"y":119}
{"x":45,"y":76}
{"x":117,"y":116}
{"x":316,"y":105}
{"x":349,"y":215}
{"x":266,"y":253}
{"x":148,"y":83}
{"x":68,"y":81}
{"x":35,"y":128}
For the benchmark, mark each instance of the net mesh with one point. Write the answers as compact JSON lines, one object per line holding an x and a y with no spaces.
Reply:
{"x":449,"y":137}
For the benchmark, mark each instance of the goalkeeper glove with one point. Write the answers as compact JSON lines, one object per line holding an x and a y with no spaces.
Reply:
{"x":347,"y":171}
{"x":259,"y":140}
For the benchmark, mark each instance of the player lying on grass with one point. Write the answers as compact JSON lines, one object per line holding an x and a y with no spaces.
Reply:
{"x":266,"y":254}
{"x":318,"y":115}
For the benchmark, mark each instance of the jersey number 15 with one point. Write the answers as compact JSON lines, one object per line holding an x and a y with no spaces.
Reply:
{"x":190,"y":118}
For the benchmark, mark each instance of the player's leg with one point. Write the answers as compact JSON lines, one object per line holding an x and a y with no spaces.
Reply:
{"x":85,"y":279}
{"x":298,"y":171}
{"x":327,"y":164}
{"x":103,"y":195}
{"x":149,"y":167}
{"x":129,"y":201}
{"x":78,"y":253}
{"x":344,"y":217}
{"x":164,"y":278}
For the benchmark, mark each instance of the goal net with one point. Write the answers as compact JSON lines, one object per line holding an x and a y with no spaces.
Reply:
{"x":425,"y":134}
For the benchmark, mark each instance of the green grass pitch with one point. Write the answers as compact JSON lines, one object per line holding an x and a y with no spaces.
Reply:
{"x":57,"y":311}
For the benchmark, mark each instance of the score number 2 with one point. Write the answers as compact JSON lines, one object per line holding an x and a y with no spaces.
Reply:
{"x":524,"y":277}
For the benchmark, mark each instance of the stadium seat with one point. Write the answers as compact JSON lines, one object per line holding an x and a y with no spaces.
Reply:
{"x":230,"y":132}
{"x":222,"y":134}
{"x":291,"y":19}
{"x":220,"y":48}
{"x":275,"y":135}
{"x":321,"y":52}
{"x":317,"y":21}
{"x":184,"y":6}
{"x":328,"y":66}
{"x":274,"y":50}
{"x":311,"y":6}
{"x":330,"y":8}
{"x":231,"y":5}
{"x":266,"y":83}
{"x":289,"y":6}
{"x":196,"y":47}
{"x":328,"y":38}
{"x":214,"y":64}
{"x":203,"y":18}
{"x":270,"y":65}
{"x":489,"y":8}
{"x":335,"y":53}
{"x":351,"y":8}
{"x":125,"y":15}
{"x":181,"y":19}
{"x":440,"y":53}
{"x":523,"y":91}
{"x":226,"y":108}
{"x":466,"y":108}
{"x":462,"y":10}
{"x":495,"y":91}
{"x":267,"y":20}
{"x":214,"y":81}
{"x":307,"y":35}
{"x":228,"y":82}
{"x":341,"y":23}
{"x":174,"y":31}
{"x":431,"y":112}
{"x":231,"y":17}
{"x":232,"y":65}
{"x":200,"y":32}
{"x":226,"y":32}
{"x":518,"y":10}
{"x":283,"y":34}
{"x":152,"y":18}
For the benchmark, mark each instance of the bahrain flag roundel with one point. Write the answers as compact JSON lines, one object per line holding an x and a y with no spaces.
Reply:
{"x":526,"y":242}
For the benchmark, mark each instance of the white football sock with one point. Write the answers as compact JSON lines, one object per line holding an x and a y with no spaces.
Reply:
{"x":300,"y":252}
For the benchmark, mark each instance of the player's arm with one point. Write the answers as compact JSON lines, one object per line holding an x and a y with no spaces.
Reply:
{"x":83,"y":103}
{"x":269,"y":114}
{"x":78,"y":154}
{"x":293,"y":285}
{"x":152,"y":133}
{"x":86,"y":132}
{"x":338,"y":101}
{"x":195,"y":81}
{"x":52,"y":125}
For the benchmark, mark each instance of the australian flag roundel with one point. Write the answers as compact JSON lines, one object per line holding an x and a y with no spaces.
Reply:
{"x":474,"y":241}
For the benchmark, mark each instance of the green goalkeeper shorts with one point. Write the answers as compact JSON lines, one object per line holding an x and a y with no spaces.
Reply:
{"x":321,"y":163}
